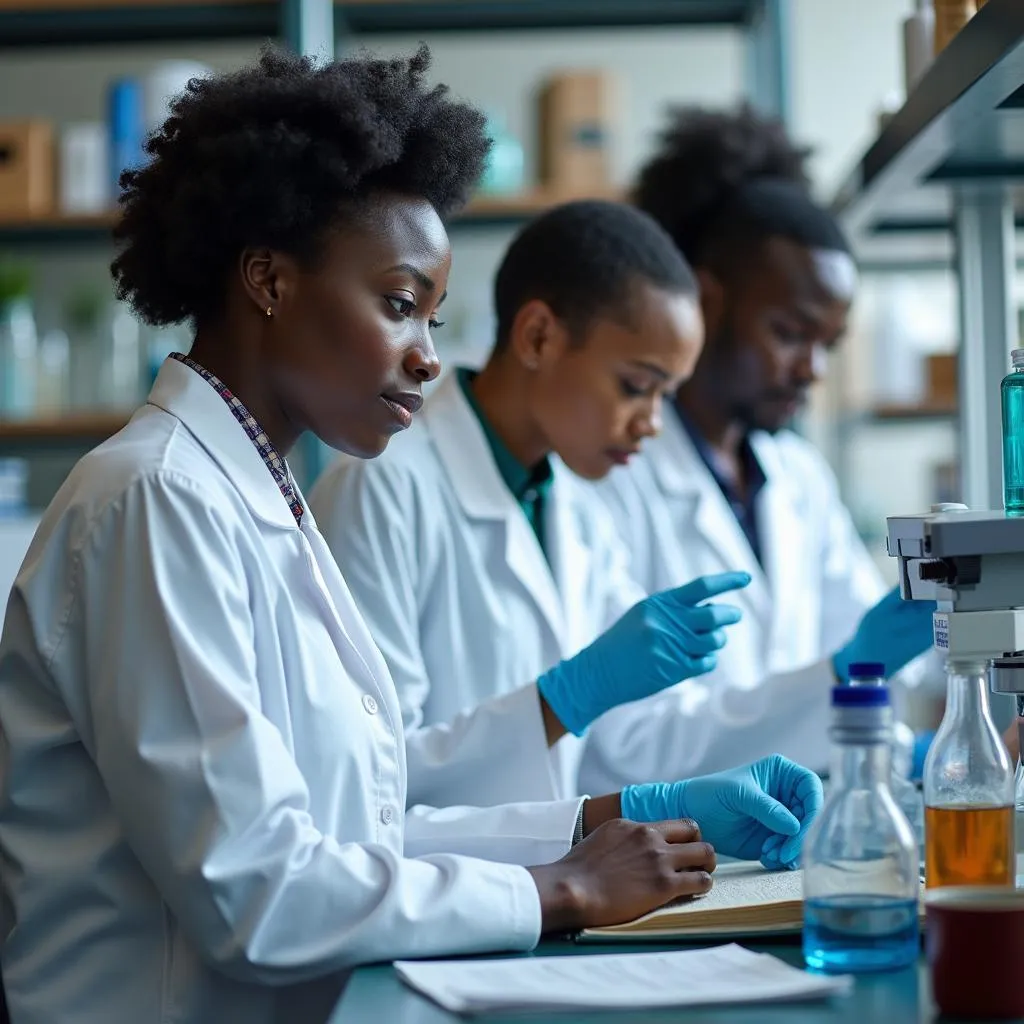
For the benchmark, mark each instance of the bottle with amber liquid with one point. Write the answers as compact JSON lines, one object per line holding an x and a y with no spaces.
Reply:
{"x":968,"y":789}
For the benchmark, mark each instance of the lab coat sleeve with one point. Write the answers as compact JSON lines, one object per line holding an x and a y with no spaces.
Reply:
{"x":496,"y":752}
{"x":207,"y":793}
{"x":368,"y":512}
{"x":852,"y":582}
{"x":523,"y":833}
{"x":698,"y":727}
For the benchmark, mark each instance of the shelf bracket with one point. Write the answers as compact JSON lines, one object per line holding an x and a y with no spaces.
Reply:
{"x":985,"y":265}
{"x":768,"y":59}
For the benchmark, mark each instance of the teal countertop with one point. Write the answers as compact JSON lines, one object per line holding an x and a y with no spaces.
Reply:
{"x":374,"y":994}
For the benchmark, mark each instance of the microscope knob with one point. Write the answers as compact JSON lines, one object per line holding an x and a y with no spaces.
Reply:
{"x":939,"y":571}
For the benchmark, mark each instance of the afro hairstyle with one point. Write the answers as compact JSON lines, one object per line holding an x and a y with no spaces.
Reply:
{"x":704,"y":158}
{"x":584,"y":259}
{"x":275,"y":155}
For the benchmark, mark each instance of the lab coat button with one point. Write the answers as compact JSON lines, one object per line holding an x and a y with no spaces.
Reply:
{"x":387,"y":815}
{"x":370,"y":704}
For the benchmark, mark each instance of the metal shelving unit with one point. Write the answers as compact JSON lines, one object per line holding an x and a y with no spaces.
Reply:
{"x":77,"y":22}
{"x":313,"y":26}
{"x":950,"y":164}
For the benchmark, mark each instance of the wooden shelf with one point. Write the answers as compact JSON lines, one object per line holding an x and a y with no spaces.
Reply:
{"x":891,"y":413}
{"x":84,"y":426}
{"x":61,"y":229}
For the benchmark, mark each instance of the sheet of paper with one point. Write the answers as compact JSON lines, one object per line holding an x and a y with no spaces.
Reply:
{"x":698,"y":977}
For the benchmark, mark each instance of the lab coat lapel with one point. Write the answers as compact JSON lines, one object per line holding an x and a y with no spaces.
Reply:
{"x":483,"y":496}
{"x":781,"y":514}
{"x":570,"y":560}
{"x":689,"y":486}
{"x":180,"y":391}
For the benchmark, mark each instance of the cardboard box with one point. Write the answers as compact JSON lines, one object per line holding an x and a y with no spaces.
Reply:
{"x":941,"y":380}
{"x":26,"y":169}
{"x":577,"y":120}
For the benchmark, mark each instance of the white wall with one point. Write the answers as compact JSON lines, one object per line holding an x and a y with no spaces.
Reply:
{"x":847,"y":58}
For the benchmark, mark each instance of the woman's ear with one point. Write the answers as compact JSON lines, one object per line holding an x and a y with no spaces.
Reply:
{"x":267,"y":279}
{"x":537,"y":336}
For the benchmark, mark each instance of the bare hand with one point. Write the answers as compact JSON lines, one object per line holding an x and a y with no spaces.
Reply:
{"x":622,"y":870}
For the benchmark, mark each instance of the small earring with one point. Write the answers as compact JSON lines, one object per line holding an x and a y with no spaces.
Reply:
{"x":270,"y":310}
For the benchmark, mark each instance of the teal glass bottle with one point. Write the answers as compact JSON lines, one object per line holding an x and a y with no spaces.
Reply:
{"x":1012,"y":396}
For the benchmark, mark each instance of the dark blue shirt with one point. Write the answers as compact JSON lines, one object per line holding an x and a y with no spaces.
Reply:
{"x":744,"y":507}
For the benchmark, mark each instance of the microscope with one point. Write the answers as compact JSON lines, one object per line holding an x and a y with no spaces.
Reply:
{"x":972,"y":564}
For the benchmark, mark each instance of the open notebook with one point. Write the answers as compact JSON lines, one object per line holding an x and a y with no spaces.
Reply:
{"x":745,"y":900}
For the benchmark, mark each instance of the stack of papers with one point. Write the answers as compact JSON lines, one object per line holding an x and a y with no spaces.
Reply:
{"x":631,"y":981}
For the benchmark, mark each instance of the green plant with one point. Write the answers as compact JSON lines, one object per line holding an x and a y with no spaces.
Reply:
{"x":84,"y":309}
{"x":15,"y":282}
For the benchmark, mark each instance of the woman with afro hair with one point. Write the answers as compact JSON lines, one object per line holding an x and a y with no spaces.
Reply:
{"x":202,"y":770}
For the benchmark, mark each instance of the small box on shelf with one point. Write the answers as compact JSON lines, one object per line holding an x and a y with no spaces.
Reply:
{"x":26,"y":169}
{"x":577,"y":116}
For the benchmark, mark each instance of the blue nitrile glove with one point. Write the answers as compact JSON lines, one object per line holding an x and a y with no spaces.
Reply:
{"x":758,"y":812}
{"x":894,"y":632}
{"x":922,"y":744}
{"x":660,"y":641}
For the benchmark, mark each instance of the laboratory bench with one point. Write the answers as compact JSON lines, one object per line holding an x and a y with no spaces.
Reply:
{"x":375,"y":994}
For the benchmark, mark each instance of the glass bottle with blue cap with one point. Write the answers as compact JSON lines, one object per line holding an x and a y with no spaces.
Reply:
{"x":861,"y":878}
{"x":908,"y":796}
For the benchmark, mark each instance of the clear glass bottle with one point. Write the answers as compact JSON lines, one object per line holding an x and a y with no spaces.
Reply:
{"x":17,"y":358}
{"x":861,"y":877}
{"x":1011,"y":393}
{"x":908,"y":796}
{"x":968,"y":789}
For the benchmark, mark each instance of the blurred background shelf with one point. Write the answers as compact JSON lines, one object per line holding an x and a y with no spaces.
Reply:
{"x":895,"y":413}
{"x":58,"y":229}
{"x":70,"y":427}
{"x":947,"y":169}
{"x":960,"y":126}
{"x":77,"y":22}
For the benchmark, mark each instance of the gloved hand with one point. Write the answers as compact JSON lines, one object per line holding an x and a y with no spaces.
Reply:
{"x":660,"y":641}
{"x":758,"y":812}
{"x":894,"y":632}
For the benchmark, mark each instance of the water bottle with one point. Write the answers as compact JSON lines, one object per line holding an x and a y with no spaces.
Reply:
{"x":861,"y":882}
{"x":1011,"y":393}
{"x":907,"y":795}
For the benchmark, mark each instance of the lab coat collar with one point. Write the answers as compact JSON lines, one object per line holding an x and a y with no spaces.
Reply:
{"x":684,"y":477}
{"x":180,"y":391}
{"x":465,"y":453}
{"x":466,"y":456}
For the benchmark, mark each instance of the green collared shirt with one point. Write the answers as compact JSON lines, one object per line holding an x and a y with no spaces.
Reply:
{"x":529,"y":487}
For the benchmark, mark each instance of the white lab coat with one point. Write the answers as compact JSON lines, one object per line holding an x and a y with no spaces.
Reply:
{"x":202,"y":768}
{"x":771,"y":690}
{"x":464,"y":606}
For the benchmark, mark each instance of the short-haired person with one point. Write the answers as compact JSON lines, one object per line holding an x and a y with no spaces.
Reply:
{"x":476,"y":552}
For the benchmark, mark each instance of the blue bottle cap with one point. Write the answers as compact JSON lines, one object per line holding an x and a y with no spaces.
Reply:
{"x":866,"y":670}
{"x":860,"y":696}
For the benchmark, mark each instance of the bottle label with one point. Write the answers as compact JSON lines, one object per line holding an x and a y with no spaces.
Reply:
{"x":940,"y":631}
